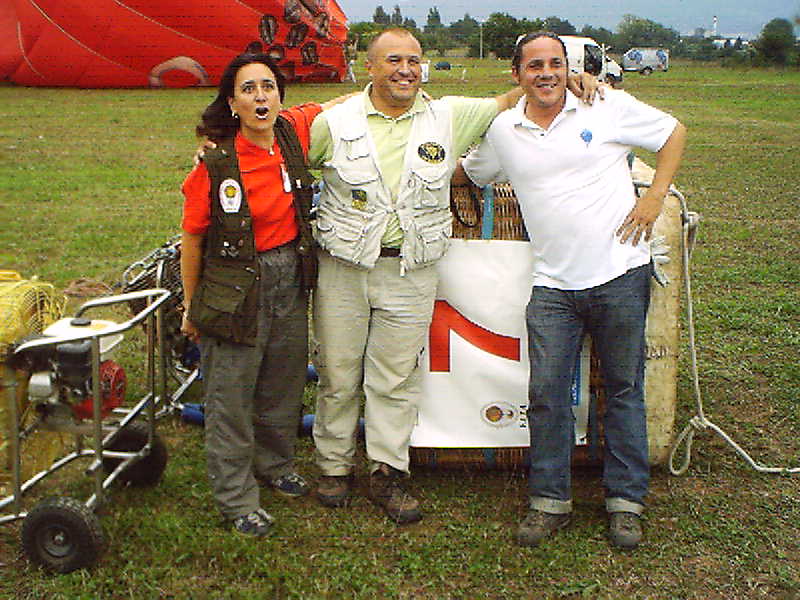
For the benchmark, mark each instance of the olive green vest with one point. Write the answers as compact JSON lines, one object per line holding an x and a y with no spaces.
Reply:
{"x":225,"y":303}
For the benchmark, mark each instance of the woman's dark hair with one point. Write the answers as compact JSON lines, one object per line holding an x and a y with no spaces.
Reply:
{"x":516,"y":58}
{"x":217,"y":123}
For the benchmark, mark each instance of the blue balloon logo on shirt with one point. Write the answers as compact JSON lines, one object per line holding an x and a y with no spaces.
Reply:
{"x":586,"y":136}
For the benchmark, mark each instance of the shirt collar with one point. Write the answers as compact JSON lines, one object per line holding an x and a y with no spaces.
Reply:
{"x":417,"y":107}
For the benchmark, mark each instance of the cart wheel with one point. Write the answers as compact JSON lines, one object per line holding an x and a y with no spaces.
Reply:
{"x":646,"y":71}
{"x":62,"y":535}
{"x":146,"y":471}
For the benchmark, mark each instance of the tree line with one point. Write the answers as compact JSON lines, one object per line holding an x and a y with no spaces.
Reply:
{"x":776,"y":45}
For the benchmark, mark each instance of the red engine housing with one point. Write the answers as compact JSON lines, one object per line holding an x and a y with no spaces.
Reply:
{"x":112,"y":391}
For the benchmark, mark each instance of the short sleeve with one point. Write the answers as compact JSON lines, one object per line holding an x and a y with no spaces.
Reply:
{"x":482,"y":166}
{"x":321,"y":149}
{"x":471,"y":119}
{"x":642,"y":125}
{"x":301,"y":117}
{"x":196,"y":203}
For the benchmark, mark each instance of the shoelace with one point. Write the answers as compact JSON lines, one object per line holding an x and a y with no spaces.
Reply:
{"x":627,"y":522}
{"x":260,"y":517}
{"x":291,"y":478}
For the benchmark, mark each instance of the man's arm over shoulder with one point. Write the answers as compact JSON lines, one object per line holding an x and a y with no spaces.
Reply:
{"x":509,"y":99}
{"x":301,"y":117}
{"x":471,"y":119}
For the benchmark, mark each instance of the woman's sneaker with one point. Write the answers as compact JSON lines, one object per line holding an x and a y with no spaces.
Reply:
{"x":291,"y":485}
{"x":257,"y":523}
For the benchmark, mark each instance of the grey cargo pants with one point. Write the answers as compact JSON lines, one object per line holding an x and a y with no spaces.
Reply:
{"x":253,"y":394}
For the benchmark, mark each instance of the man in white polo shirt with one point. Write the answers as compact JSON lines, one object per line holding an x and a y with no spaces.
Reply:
{"x":568,"y":165}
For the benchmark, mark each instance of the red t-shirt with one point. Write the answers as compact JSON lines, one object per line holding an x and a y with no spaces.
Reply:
{"x":271,"y":207}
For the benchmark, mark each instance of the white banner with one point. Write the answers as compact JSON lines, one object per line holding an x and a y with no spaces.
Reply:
{"x":475,"y":367}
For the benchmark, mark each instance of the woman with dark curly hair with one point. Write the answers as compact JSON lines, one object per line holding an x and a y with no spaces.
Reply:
{"x":246,"y":265}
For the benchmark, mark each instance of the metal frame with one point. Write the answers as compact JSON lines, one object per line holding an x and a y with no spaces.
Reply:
{"x":139,"y":272}
{"x":102,"y":434}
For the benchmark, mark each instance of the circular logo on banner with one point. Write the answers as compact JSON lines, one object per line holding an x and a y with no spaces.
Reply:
{"x":499,"y":414}
{"x":230,"y":195}
{"x":431,"y":152}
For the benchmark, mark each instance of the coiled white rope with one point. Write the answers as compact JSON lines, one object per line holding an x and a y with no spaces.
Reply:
{"x":699,"y":422}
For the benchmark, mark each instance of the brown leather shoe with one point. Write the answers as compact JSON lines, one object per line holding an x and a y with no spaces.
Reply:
{"x":538,"y":525}
{"x":333,"y":491}
{"x":625,"y":529}
{"x":386,"y":490}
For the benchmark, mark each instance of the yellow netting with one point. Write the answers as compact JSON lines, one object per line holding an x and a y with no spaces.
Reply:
{"x":26,"y":307}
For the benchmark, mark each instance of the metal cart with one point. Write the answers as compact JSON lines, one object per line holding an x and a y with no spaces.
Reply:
{"x":72,"y":387}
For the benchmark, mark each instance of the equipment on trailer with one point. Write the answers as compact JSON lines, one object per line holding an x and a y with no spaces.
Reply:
{"x":62,"y":379}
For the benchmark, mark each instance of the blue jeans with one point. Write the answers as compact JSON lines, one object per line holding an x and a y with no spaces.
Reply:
{"x":614,"y":314}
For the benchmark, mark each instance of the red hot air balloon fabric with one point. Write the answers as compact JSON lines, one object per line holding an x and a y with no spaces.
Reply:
{"x":165,"y":43}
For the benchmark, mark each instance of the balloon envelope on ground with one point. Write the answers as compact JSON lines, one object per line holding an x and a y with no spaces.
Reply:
{"x":165,"y":43}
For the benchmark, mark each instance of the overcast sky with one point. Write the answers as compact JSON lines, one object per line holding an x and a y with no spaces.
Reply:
{"x":735,"y":17}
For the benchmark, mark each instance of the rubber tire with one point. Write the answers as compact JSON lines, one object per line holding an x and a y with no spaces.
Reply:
{"x":147,"y":470}
{"x":646,"y":71}
{"x":62,"y":535}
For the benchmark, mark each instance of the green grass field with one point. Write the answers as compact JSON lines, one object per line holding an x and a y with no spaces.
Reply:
{"x":90,"y":182}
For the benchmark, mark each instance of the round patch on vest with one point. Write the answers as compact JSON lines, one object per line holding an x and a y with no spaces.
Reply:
{"x":431,"y":152}
{"x":230,"y":195}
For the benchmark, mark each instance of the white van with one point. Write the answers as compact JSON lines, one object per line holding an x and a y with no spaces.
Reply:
{"x":646,"y":60}
{"x":584,"y":54}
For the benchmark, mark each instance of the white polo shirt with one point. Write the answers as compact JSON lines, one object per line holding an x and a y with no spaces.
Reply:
{"x":573,"y":183}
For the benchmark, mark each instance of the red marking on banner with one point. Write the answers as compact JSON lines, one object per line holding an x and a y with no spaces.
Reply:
{"x":447,"y":319}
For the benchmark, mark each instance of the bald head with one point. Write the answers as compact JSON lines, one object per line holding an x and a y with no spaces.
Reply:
{"x":393,"y":33}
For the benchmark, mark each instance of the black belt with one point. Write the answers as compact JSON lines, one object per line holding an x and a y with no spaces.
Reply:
{"x":390,"y":251}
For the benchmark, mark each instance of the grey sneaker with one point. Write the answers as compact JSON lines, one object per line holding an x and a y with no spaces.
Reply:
{"x":538,"y":525}
{"x":625,"y":529}
{"x":257,"y":523}
{"x":291,"y":484}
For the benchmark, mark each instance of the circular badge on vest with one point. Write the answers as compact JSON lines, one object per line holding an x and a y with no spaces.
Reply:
{"x":230,"y":195}
{"x":431,"y":152}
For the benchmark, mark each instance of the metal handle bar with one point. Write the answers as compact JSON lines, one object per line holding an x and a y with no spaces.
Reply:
{"x":162,"y":296}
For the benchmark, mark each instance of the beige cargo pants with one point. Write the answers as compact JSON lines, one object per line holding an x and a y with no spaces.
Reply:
{"x":369,"y":328}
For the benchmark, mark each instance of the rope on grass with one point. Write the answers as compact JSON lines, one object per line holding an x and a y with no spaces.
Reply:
{"x":83,"y":287}
{"x":699,"y":422}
